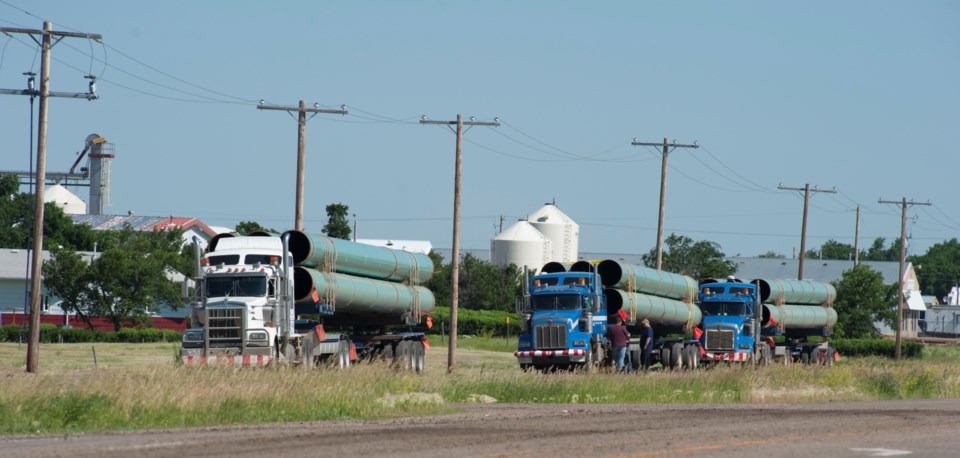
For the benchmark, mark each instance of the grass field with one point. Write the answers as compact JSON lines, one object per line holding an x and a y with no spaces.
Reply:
{"x":140,"y":386}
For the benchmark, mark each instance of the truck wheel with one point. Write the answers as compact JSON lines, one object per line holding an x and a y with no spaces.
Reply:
{"x":401,"y":355}
{"x":665,"y":357}
{"x":343,"y":355}
{"x":635,"y":362}
{"x":764,"y":355}
{"x":676,"y":356}
{"x":690,"y":357}
{"x":419,"y":354}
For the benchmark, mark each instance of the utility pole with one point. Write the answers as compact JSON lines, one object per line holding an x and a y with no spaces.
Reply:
{"x":455,"y":256}
{"x":856,"y":241}
{"x":903,"y":256}
{"x":803,"y":230}
{"x":501,"y":225}
{"x":46,"y":44}
{"x":663,"y":187}
{"x":301,"y":145}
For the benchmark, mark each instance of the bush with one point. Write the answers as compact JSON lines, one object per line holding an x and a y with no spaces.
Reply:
{"x":54,"y":334}
{"x":877,"y":347}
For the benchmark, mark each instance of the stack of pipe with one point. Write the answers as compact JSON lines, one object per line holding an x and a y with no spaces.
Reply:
{"x":797,"y":304}
{"x":359,"y":279}
{"x":665,"y":298}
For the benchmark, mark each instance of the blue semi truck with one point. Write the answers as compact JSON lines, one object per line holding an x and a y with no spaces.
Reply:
{"x":566,"y":310}
{"x":741,"y":321}
{"x":567,"y":307}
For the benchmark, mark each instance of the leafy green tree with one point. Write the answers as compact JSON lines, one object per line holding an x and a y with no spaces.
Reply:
{"x":877,"y":252}
{"x":863,"y":299}
{"x":247,"y":227}
{"x":699,"y":260}
{"x":440,"y":282}
{"x":337,"y":225}
{"x":832,"y":249}
{"x":939,"y":268}
{"x":16,"y":219}
{"x":481,"y":284}
{"x":772,"y":255}
{"x":128,"y":280}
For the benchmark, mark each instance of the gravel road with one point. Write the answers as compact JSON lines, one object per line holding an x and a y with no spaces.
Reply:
{"x":881,"y":428}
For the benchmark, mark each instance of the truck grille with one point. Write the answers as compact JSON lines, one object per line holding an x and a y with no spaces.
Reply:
{"x":225,"y":327}
{"x":718,"y":339}
{"x":550,"y":336}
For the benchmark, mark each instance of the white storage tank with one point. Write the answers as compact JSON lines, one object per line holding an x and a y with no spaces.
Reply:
{"x":69,"y":202}
{"x":563,"y":232}
{"x":522,"y":245}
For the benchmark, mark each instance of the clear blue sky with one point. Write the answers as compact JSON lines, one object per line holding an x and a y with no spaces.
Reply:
{"x":860,"y":95}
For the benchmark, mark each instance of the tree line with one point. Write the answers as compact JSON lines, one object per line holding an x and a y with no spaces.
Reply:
{"x":130,"y":275}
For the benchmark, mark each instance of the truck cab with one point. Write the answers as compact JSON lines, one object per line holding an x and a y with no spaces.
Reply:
{"x":564,"y":321}
{"x":241,"y":306}
{"x":730,"y":322}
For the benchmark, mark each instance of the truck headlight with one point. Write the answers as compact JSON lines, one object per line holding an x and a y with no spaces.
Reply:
{"x":193,"y":336}
{"x":258,"y":335}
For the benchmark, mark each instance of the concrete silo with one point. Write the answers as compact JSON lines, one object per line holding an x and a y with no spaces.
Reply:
{"x":563,"y":232}
{"x":522,"y":245}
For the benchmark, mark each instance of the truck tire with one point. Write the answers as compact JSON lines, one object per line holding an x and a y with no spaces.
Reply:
{"x":343,"y":355}
{"x":693,"y":357}
{"x":419,"y":354}
{"x":763,"y":358}
{"x":676,"y":356}
{"x":665,"y":357}
{"x":635,"y":359}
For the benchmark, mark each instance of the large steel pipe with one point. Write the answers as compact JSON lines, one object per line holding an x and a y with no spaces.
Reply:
{"x":796,"y":292}
{"x":630,"y":277}
{"x":553,"y":267}
{"x":351,"y":294}
{"x":343,"y":256}
{"x":799,"y":316}
{"x":659,"y":310}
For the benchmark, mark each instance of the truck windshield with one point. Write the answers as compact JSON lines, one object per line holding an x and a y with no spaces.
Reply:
{"x":556,"y":302}
{"x":723,"y":309}
{"x":247,"y":286}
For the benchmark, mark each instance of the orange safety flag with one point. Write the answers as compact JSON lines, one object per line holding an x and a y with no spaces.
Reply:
{"x":353,"y":351}
{"x":426,"y":344}
{"x":623,"y":315}
{"x":321,"y":334}
{"x":773,"y":321}
{"x":703,"y":352}
{"x":836,"y":355}
{"x":429,"y":322}
{"x":314,"y":295}
{"x":697,"y":332}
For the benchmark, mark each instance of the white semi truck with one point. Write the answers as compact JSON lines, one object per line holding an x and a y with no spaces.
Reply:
{"x":243,"y":312}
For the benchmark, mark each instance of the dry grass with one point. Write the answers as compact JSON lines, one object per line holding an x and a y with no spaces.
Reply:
{"x":139,"y":386}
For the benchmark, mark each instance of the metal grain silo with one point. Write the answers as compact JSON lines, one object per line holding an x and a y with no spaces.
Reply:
{"x":521,"y":244}
{"x":562,"y":232}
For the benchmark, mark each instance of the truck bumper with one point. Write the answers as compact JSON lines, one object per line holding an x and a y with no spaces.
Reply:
{"x":195,"y":357}
{"x":736,"y":356}
{"x":550,"y":357}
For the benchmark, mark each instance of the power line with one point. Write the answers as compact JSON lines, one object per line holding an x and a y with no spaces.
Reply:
{"x":663,"y":187}
{"x":903,"y":255}
{"x":803,"y":230}
{"x":455,"y":257}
